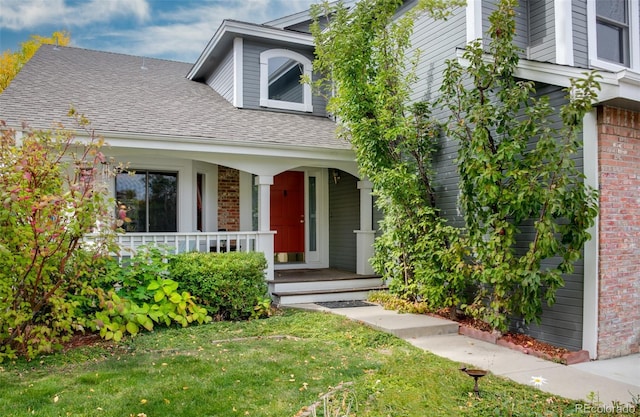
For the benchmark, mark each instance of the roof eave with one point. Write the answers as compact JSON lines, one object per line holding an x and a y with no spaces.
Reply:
{"x":623,"y":84}
{"x":155,"y":141}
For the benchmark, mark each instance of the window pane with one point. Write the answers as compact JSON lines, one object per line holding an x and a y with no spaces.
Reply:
{"x":284,"y":80}
{"x":610,"y":43}
{"x":163,"y":193}
{"x":612,"y":9}
{"x":150,"y":201}
{"x":131,"y":196}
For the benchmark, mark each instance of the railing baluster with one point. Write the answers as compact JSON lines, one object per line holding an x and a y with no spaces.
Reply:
{"x":198,"y":241}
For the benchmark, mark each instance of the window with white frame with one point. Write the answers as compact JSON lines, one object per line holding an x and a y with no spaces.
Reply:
{"x":614,"y":33}
{"x":148,"y":199}
{"x":281,"y":71}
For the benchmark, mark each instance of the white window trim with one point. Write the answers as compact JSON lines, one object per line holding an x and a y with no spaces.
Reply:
{"x":306,"y":104}
{"x":634,"y":39}
{"x":238,"y":86}
{"x":564,"y":32}
{"x":474,"y":20}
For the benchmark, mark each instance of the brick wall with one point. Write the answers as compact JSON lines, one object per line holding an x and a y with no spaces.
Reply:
{"x":619,"y":275}
{"x":228,"y":199}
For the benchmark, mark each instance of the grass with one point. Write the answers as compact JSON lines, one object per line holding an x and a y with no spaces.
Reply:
{"x":272,"y":367}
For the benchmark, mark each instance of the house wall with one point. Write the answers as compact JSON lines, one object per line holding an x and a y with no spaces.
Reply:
{"x":619,"y":274}
{"x":523,"y":21}
{"x":562,"y":323}
{"x":435,"y":49}
{"x":344,"y":218}
{"x":580,"y":37}
{"x":221,"y":80}
{"x":251,"y":76}
{"x":228,"y":199}
{"x":541,"y":30}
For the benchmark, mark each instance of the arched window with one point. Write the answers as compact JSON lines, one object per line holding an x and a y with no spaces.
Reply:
{"x":280,"y":86}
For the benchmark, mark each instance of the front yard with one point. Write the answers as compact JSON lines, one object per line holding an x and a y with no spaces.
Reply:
{"x":271,"y":367}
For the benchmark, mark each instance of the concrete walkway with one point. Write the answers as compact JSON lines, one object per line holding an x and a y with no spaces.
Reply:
{"x":609,"y":380}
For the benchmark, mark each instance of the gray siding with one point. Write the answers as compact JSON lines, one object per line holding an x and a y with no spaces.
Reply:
{"x":580,"y":41}
{"x":435,"y":49}
{"x":561,"y":324}
{"x":542,"y":39}
{"x":378,"y":216}
{"x":437,"y":41}
{"x":251,"y":73}
{"x":522,"y":26}
{"x":344,"y":218}
{"x":221,"y":80}
{"x":522,"y":36}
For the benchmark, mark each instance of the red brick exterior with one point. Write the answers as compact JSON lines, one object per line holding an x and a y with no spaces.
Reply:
{"x":228,"y":199}
{"x":619,"y":257}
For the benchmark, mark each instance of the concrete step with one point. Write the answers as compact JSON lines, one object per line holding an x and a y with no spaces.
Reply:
{"x":334,"y":294}
{"x":280,"y":286}
{"x":405,"y":326}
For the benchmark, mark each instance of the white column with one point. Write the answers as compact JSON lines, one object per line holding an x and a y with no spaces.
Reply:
{"x":264,"y":183}
{"x":366,"y":235}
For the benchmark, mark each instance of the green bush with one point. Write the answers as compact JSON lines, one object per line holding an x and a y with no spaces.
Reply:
{"x":229,"y":285}
{"x":141,"y":295}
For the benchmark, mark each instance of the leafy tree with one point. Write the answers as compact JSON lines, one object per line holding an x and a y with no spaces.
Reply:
{"x":51,"y":196}
{"x":12,"y":62}
{"x":362,"y":54}
{"x":516,"y":170}
{"x":515,"y":167}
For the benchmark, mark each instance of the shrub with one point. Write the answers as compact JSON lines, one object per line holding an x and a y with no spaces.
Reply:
{"x":143,"y":295}
{"x":229,"y":285}
{"x":52,"y":193}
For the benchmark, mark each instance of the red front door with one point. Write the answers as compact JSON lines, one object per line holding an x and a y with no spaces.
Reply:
{"x":287,"y":211}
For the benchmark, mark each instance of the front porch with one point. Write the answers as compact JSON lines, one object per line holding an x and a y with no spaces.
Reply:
{"x":286,"y":286}
{"x":313,"y":216}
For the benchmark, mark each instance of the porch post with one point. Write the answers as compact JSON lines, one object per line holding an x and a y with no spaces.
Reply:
{"x":366,"y":235}
{"x":264,"y":183}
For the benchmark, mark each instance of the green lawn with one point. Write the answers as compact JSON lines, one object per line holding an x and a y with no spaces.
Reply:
{"x":271,"y":367}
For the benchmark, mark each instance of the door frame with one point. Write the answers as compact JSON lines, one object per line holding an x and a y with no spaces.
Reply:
{"x":320,"y":257}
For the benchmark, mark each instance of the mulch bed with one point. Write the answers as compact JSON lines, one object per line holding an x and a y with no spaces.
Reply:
{"x":526,"y":344}
{"x":85,"y":339}
{"x":530,"y":343}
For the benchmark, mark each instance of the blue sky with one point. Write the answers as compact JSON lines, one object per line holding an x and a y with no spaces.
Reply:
{"x":169,"y":29}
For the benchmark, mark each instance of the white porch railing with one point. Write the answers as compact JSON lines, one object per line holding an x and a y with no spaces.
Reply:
{"x":178,"y":242}
{"x":189,"y":242}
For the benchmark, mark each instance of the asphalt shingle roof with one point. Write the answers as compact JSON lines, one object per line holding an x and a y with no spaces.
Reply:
{"x":119,"y":96}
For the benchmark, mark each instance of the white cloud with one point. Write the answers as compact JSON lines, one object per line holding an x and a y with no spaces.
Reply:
{"x":161,"y":28}
{"x":183,"y":33}
{"x":30,"y":14}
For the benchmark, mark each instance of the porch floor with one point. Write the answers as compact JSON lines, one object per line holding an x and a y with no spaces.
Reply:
{"x":312,"y":275}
